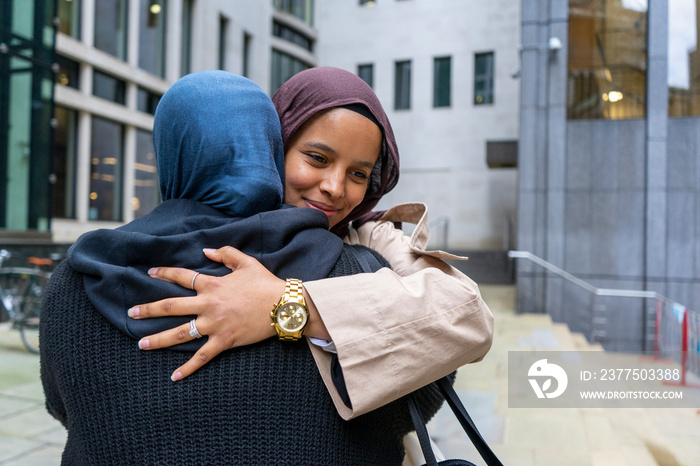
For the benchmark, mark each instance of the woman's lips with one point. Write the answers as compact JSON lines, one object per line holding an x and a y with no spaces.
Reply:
{"x":326,"y":209}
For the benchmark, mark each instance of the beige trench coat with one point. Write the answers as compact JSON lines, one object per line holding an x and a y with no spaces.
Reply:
{"x":426,"y":318}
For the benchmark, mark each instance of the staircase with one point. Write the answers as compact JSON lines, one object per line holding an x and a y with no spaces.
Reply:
{"x":572,"y":436}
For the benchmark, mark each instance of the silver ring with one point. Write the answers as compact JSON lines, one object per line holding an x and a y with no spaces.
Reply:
{"x":194,"y":277}
{"x":193,"y":330}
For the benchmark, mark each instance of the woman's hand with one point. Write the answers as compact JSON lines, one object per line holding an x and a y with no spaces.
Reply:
{"x":233,"y":310}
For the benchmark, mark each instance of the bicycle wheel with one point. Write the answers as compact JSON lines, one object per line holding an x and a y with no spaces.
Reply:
{"x":31,"y":310}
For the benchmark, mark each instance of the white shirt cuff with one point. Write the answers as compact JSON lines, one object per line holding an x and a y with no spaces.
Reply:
{"x":325,"y":345}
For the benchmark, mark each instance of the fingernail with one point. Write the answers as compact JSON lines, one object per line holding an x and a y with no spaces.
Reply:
{"x":153,"y":271}
{"x":134,"y":312}
{"x":208,"y":250}
{"x":144,"y":344}
{"x":176,"y":376}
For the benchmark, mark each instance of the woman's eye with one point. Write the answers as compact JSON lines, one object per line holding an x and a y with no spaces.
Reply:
{"x":317,"y":158}
{"x":360,"y":175}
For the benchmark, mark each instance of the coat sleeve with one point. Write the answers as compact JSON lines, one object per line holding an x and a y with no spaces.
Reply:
{"x":398,"y":330}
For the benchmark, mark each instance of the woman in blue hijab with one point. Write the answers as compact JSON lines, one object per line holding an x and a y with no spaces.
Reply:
{"x":219,"y":152}
{"x":220,"y":161}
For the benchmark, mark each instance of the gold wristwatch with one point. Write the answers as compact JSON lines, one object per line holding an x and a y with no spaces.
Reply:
{"x":290,"y":314}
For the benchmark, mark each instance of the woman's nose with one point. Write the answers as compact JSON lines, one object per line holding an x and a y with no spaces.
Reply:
{"x":333,"y":185}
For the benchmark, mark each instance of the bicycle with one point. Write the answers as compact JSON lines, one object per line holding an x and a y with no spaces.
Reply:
{"x":21,"y":291}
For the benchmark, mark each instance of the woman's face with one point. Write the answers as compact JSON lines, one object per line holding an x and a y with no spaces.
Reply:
{"x":328,"y":163}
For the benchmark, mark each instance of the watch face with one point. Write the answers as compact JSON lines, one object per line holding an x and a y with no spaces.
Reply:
{"x":291,"y":317}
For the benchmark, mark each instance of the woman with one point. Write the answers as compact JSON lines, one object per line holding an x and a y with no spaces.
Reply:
{"x":394,"y":331}
{"x":219,"y":155}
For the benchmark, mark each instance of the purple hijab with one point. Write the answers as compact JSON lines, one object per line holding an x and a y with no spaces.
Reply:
{"x":316,"y":89}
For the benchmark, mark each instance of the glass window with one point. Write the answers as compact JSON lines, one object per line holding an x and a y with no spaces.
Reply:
{"x":483,"y":78}
{"x":366,"y":73}
{"x":683,"y":58}
{"x":223,"y":31}
{"x":247,"y":39}
{"x":152,"y":36}
{"x":442,"y":84}
{"x":607,"y":59}
{"x":146,"y":188}
{"x":69,"y":72}
{"x":284,"y":66}
{"x":107,"y":154}
{"x":110,"y":26}
{"x":146,"y":101}
{"x":368,"y":2}
{"x":291,"y":35}
{"x":402,"y":85}
{"x":302,"y":9}
{"x":108,"y":87}
{"x":26,"y":109}
{"x":69,"y":15}
{"x":64,"y":157}
{"x":186,"y":45}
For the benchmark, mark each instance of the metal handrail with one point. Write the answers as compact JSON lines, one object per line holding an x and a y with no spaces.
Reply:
{"x":585,"y":285}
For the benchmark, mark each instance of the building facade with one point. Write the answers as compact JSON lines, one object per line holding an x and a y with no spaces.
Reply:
{"x":114,"y":59}
{"x":609,"y":161}
{"x":447,"y":74}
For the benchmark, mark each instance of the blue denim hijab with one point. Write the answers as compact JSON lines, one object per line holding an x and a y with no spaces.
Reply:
{"x":219,"y":155}
{"x":217,"y":141}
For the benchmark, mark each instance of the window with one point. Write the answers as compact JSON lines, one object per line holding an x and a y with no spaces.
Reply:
{"x":302,"y":9}
{"x":366,"y":73}
{"x":607,"y":59}
{"x":368,"y":2}
{"x":402,"y":85}
{"x":108,"y":87}
{"x":291,"y":35}
{"x":186,"y":45}
{"x":483,"y":78}
{"x":107,"y":152}
{"x":68,"y":73}
{"x":247,"y":40}
{"x":152,"y":36}
{"x":146,"y":187}
{"x":223,"y":33}
{"x":69,"y":15}
{"x":110,"y":26}
{"x":442,"y":81}
{"x":146,"y":101}
{"x":64,"y":157}
{"x":502,"y":154}
{"x":284,"y":66}
{"x":683,"y":59}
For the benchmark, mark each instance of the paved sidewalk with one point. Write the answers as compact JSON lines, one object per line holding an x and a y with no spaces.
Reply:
{"x":29,"y":436}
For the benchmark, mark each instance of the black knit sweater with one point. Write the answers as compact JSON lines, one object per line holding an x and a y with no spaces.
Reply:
{"x":120,"y":407}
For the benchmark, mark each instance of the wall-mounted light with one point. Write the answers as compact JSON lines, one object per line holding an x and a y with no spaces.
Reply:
{"x":613,"y":96}
{"x":554,"y":44}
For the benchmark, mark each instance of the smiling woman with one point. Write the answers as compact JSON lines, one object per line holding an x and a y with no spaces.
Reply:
{"x":329,"y":162}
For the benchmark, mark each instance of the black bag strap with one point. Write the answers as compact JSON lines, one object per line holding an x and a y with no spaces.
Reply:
{"x":464,"y":419}
{"x":467,"y":424}
{"x":421,"y":430}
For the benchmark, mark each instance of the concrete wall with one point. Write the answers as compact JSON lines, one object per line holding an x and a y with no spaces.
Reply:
{"x":443,"y":150}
